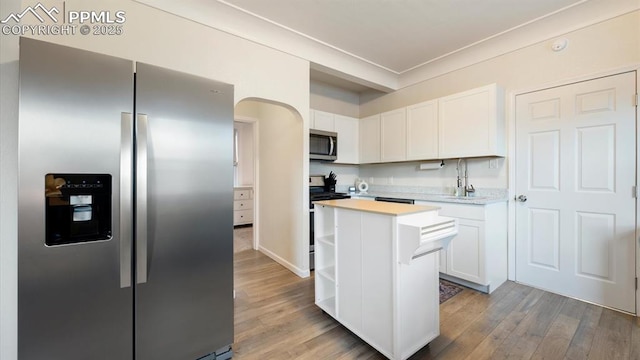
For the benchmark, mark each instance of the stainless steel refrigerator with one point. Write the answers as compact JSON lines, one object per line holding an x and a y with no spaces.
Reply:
{"x":125,"y":209}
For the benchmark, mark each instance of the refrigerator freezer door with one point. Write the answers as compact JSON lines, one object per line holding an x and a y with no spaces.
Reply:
{"x":184,"y":310}
{"x":71,"y":303}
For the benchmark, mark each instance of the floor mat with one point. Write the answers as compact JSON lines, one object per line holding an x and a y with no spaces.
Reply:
{"x":448,"y":290}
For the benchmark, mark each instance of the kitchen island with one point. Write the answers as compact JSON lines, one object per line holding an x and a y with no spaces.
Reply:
{"x":377,"y":270}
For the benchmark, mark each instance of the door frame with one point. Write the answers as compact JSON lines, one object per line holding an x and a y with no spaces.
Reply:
{"x":511,"y":153}
{"x":256,"y":185}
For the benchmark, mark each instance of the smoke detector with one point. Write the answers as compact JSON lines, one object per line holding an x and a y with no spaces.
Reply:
{"x":559,"y":44}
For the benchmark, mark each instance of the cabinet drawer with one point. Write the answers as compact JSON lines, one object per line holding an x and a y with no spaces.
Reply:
{"x":242,"y":194}
{"x":242,"y":217}
{"x":243,"y":205}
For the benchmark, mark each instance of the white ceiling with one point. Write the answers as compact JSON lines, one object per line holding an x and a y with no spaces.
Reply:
{"x":400,"y":35}
{"x":388,"y":44}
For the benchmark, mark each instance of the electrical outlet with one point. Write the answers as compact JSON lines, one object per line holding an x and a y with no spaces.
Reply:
{"x":390,"y":180}
{"x":493,"y":163}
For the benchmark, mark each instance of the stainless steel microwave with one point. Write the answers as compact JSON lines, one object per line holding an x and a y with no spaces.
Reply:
{"x":323,"y":145}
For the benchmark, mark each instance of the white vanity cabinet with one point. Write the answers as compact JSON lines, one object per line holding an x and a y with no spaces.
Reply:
{"x":347,"y":129}
{"x":376,"y":270}
{"x":477,"y":256}
{"x":471,"y":123}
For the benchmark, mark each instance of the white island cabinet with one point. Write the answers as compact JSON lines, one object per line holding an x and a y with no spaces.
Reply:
{"x":377,"y":270}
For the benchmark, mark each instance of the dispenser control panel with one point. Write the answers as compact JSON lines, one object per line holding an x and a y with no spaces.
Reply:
{"x":78,"y":208}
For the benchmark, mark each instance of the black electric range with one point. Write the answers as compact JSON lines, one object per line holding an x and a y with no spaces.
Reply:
{"x":318,"y":196}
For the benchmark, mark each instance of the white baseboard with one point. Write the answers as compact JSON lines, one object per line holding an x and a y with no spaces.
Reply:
{"x":294,"y":269}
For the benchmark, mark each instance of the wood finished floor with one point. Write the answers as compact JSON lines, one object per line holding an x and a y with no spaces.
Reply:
{"x":275,"y":318}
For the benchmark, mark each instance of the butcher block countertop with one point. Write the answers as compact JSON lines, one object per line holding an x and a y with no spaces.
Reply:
{"x":379,"y":207}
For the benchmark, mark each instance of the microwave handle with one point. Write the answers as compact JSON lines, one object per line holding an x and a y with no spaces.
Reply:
{"x":331,"y":146}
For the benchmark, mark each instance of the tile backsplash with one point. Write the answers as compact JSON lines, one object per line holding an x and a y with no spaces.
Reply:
{"x":483,"y":173}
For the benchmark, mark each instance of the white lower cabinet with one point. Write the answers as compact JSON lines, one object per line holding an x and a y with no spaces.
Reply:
{"x":477,"y":256}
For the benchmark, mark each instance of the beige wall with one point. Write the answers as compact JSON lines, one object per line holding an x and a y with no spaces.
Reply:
{"x":329,"y":98}
{"x":280,"y":213}
{"x":600,"y":47}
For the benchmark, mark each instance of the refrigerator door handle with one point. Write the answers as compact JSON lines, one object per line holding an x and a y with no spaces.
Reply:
{"x":141,"y":198}
{"x":126,"y":197}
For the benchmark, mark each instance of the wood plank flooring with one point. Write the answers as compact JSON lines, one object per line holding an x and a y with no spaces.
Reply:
{"x":275,"y":318}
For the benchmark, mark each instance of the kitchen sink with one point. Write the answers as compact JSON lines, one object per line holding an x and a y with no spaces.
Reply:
{"x":465,"y":198}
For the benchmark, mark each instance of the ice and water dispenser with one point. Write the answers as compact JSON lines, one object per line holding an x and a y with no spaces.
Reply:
{"x":78,"y":208}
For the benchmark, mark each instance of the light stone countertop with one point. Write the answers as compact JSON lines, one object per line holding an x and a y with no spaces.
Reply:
{"x":379,"y":207}
{"x":471,"y":200}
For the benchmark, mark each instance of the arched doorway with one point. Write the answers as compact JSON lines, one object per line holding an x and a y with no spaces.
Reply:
{"x":280,"y":193}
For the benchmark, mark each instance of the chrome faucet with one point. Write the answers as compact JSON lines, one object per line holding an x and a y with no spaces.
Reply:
{"x":468,"y":188}
{"x":459,"y":187}
{"x":463,"y":188}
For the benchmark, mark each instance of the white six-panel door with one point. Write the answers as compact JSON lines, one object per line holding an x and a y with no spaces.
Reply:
{"x":575,"y":171}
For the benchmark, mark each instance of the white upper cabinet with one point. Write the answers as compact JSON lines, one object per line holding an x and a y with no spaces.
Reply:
{"x":323,"y":121}
{"x":471,"y":123}
{"x":466,"y":124}
{"x":393,"y":136}
{"x":422,"y":131}
{"x":348,"y":139}
{"x":347,"y":129}
{"x":369,"y":139}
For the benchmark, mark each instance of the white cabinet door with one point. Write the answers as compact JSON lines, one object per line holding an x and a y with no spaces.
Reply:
{"x":393,"y":135}
{"x":465,"y":255}
{"x":349,"y":268}
{"x":377,"y":279}
{"x":422,"y":131}
{"x":370,"y":139}
{"x":323,"y":121}
{"x":471,"y":123}
{"x":478,"y":253}
{"x":348,"y":139}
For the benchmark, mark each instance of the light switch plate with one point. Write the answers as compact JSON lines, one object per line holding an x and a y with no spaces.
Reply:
{"x":493,"y":163}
